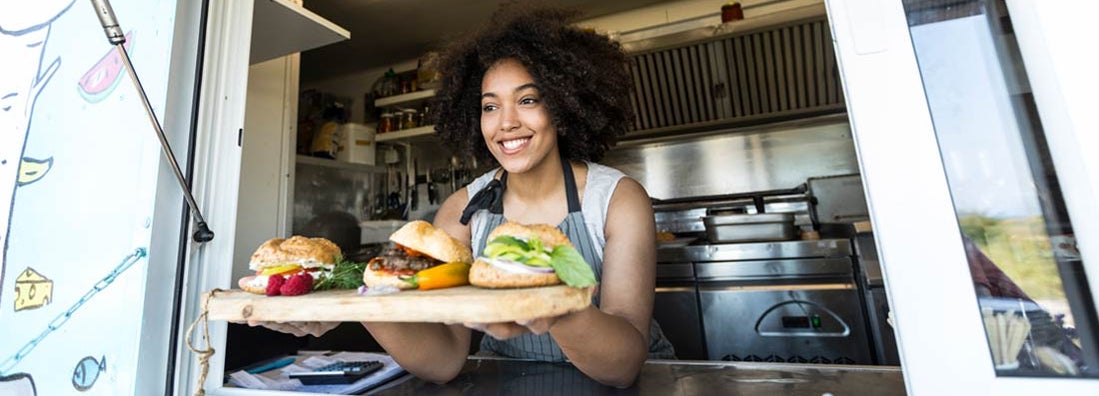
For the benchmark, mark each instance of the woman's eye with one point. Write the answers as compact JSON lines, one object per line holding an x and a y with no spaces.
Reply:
{"x":528,"y":101}
{"x":488,"y":108}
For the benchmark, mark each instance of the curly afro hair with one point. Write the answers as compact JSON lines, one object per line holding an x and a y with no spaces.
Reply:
{"x":581,"y":75}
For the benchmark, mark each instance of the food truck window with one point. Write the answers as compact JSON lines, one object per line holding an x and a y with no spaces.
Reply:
{"x":89,"y":218}
{"x":1027,"y":273}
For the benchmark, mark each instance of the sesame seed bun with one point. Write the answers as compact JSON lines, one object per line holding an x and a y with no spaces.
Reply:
{"x":307,"y":252}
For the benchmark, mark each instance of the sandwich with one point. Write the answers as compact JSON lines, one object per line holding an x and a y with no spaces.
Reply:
{"x":289,"y":266}
{"x":416,"y":246}
{"x":519,"y":255}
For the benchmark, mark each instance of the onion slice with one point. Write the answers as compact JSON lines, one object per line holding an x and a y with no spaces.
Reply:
{"x":516,"y":267}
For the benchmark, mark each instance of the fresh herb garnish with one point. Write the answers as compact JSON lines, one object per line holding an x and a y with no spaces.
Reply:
{"x":345,"y":275}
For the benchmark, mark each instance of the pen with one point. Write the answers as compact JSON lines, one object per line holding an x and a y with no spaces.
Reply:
{"x":272,"y":365}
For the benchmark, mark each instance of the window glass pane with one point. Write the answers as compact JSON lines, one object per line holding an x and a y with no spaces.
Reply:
{"x":78,"y":173}
{"x":1018,"y":238}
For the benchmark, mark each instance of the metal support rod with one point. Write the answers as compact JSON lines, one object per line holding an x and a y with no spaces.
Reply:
{"x":115,"y":37}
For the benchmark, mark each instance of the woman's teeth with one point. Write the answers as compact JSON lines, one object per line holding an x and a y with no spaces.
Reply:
{"x":514,"y":144}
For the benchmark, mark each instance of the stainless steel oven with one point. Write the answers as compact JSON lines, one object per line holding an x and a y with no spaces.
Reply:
{"x":792,"y":301}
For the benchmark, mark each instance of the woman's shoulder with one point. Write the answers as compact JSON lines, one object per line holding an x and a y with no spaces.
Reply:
{"x":481,"y":181}
{"x":602,"y":179}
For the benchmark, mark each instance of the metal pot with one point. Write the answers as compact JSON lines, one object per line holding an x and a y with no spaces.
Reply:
{"x":750,"y":227}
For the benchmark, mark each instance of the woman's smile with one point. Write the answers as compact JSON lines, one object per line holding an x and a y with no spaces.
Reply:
{"x":513,"y":146}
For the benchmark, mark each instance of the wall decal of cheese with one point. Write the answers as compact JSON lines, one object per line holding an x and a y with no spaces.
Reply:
{"x":32,"y":290}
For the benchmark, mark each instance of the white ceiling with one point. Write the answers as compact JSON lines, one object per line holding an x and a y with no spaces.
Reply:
{"x":384,"y":32}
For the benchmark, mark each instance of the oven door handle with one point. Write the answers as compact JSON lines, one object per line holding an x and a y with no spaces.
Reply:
{"x":674,"y":289}
{"x":819,"y":286}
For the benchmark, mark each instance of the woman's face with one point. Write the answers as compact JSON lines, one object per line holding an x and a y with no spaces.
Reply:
{"x":514,"y":120}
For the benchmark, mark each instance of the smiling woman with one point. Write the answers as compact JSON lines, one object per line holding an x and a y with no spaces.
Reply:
{"x":543,"y":99}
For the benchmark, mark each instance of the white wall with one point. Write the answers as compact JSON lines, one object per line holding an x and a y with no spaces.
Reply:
{"x":270,"y":130}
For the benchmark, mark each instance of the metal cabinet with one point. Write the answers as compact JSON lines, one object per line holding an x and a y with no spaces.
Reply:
{"x":675,"y":308}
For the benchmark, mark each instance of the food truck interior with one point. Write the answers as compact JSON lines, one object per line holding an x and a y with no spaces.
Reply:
{"x":740,"y":135}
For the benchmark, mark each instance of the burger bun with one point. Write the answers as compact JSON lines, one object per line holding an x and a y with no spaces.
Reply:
{"x":483,"y":274}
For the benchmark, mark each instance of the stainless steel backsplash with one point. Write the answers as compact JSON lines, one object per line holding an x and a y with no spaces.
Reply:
{"x":759,"y":158}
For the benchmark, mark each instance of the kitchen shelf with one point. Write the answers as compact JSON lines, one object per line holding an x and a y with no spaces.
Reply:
{"x":280,"y":28}
{"x":411,"y":97}
{"x":305,"y":159}
{"x":421,"y":134}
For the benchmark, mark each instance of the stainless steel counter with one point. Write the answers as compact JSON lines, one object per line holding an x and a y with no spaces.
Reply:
{"x":482,"y":376}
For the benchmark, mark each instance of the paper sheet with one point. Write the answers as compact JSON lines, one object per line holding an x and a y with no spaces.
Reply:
{"x":280,"y":380}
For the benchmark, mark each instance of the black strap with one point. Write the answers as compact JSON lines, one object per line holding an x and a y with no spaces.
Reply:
{"x":491,"y":197}
{"x":484,"y":199}
{"x":570,"y":186}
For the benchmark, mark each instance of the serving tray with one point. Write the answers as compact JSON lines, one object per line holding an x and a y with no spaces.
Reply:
{"x":452,"y":305}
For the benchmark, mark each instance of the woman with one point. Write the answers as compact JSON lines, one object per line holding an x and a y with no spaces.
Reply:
{"x":542,"y":98}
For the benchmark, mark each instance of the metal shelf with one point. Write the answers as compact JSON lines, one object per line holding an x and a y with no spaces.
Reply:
{"x":315,"y":161}
{"x":411,"y":97}
{"x":413,"y":135}
{"x":280,"y":28}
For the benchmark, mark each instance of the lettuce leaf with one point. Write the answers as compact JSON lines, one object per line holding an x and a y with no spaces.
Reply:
{"x":571,"y":267}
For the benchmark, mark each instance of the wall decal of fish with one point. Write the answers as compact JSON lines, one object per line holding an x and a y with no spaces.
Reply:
{"x":87,"y":371}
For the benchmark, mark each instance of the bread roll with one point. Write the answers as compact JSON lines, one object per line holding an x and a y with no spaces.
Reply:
{"x":483,"y":274}
{"x":307,"y":252}
{"x":425,"y":238}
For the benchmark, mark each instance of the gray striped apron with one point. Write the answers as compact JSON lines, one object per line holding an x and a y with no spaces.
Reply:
{"x":543,"y":347}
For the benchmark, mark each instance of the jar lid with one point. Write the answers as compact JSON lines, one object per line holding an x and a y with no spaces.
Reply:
{"x":413,"y":111}
{"x":387,"y":114}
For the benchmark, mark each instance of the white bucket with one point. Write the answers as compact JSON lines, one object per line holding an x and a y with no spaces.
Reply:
{"x":356,"y":143}
{"x":378,"y":231}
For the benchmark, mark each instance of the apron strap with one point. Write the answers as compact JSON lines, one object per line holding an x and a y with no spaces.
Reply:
{"x":491,"y":197}
{"x":570,"y":186}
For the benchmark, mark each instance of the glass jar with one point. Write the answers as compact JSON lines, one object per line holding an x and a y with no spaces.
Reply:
{"x":425,"y":116}
{"x":386,"y":123}
{"x":409,"y":120}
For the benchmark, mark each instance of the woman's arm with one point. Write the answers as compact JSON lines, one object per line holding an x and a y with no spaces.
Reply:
{"x":611,"y":343}
{"x":431,"y":351}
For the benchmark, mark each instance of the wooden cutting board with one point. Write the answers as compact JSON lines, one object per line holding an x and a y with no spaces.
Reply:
{"x":452,"y":305}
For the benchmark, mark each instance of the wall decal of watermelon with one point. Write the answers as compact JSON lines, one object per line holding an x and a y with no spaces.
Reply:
{"x":100,"y":80}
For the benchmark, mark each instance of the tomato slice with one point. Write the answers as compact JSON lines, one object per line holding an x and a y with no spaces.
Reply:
{"x":409,"y":251}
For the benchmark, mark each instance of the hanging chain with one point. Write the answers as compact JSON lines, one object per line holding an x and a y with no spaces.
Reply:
{"x":60,"y":320}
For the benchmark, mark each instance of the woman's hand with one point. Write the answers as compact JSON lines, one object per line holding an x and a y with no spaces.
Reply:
{"x":298,"y":329}
{"x":503,"y":331}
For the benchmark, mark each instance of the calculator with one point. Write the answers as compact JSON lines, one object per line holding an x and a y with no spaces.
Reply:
{"x":338,"y":373}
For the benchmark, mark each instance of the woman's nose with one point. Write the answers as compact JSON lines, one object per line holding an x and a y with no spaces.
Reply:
{"x":509,"y":118}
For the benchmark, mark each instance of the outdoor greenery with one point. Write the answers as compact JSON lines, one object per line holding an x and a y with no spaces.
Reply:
{"x":1021,"y":248}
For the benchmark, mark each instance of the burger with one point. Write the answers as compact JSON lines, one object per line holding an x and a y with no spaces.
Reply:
{"x":416,"y":246}
{"x":518,"y":255}
{"x":289,"y":263}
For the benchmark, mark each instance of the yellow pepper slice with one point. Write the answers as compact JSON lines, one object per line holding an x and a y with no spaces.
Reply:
{"x":441,"y":276}
{"x":281,"y":269}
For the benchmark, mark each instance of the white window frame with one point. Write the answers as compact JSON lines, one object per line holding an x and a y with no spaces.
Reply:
{"x":939,"y":330}
{"x":216,"y":180}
